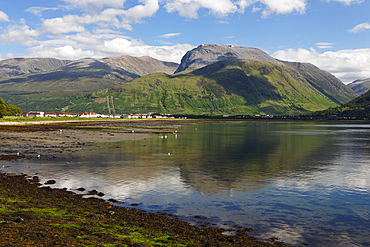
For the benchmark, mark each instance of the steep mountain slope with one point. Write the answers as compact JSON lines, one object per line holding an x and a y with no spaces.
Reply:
{"x":228,"y":87}
{"x":325,"y":82}
{"x":86,"y":75}
{"x":360,"y":86}
{"x":21,"y":66}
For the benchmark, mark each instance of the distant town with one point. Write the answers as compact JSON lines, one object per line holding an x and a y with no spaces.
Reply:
{"x":92,"y":115}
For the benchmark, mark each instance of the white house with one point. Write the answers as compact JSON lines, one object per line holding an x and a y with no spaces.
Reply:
{"x":36,"y":114}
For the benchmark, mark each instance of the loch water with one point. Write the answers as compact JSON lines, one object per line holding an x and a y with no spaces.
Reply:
{"x":299,"y":182}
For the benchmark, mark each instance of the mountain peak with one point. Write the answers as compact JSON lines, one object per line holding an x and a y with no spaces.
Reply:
{"x":206,"y":54}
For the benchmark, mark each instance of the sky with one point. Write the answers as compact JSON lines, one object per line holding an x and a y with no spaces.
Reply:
{"x":331,"y":34}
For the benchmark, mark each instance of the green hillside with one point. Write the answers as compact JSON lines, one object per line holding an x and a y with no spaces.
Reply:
{"x":228,"y":87}
{"x":358,"y":108}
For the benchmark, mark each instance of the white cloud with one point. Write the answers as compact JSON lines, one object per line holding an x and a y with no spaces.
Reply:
{"x":360,"y":27}
{"x":283,"y":6}
{"x":243,"y":4}
{"x":65,"y":24}
{"x":347,"y":2}
{"x":136,"y":13}
{"x":169,"y":35}
{"x":325,"y":45}
{"x":121,"y":46}
{"x":19,"y":34}
{"x":347,"y":65}
{"x":63,"y":52}
{"x":189,"y":8}
{"x":111,"y":17}
{"x":96,"y":3}
{"x":38,"y":10}
{"x":3,"y":16}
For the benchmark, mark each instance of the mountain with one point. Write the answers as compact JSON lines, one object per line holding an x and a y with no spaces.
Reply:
{"x":211,"y":80}
{"x":360,"y":86}
{"x":207,"y":54}
{"x":228,"y":87}
{"x":80,"y":76}
{"x":20,"y":66}
{"x":324,"y":82}
{"x":358,"y":108}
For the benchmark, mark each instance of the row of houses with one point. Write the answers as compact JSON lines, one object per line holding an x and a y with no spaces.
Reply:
{"x":90,"y":115}
{"x":146,"y":116}
{"x":63,"y":114}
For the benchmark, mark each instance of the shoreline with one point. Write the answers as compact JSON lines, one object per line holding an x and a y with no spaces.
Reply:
{"x":51,"y":140}
{"x":30,"y":214}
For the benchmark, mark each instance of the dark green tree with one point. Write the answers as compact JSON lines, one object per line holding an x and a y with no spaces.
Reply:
{"x":8,"y":109}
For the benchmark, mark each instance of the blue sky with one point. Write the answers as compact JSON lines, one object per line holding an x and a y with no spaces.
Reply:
{"x":332,"y":34}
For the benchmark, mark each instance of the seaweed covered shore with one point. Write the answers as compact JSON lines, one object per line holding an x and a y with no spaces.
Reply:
{"x":33,"y":214}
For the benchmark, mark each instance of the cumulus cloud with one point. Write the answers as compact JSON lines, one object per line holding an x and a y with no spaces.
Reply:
{"x":63,"y":52}
{"x":347,"y":65}
{"x":121,"y":46}
{"x":221,"y":8}
{"x":66,"y":24}
{"x":360,"y":27}
{"x":19,"y":34}
{"x":189,"y":8}
{"x":283,"y":6}
{"x":111,"y":17}
{"x":169,"y":35}
{"x":3,"y":16}
{"x":136,"y":13}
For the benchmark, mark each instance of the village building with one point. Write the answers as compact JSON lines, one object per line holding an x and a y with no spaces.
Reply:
{"x":36,"y":114}
{"x":50,"y":114}
{"x":87,"y":114}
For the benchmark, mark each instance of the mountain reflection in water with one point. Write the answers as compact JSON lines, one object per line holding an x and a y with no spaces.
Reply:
{"x":299,"y":182}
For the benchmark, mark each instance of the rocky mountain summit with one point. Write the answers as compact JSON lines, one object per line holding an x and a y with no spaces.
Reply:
{"x":360,"y":86}
{"x":207,"y":54}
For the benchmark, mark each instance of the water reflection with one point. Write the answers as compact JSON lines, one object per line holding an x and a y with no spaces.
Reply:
{"x":300,"y":182}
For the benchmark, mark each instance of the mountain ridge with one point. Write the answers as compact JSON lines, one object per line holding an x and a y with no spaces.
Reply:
{"x":360,"y":86}
{"x":20,"y":66}
{"x":85,"y":74}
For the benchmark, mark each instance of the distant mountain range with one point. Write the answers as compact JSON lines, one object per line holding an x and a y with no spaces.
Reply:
{"x":211,"y":79}
{"x":360,"y":86}
{"x":52,"y":75}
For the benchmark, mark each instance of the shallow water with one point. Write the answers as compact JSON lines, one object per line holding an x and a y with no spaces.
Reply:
{"x":296,"y":181}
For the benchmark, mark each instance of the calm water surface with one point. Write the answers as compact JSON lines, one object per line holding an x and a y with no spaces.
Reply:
{"x":299,"y":182}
